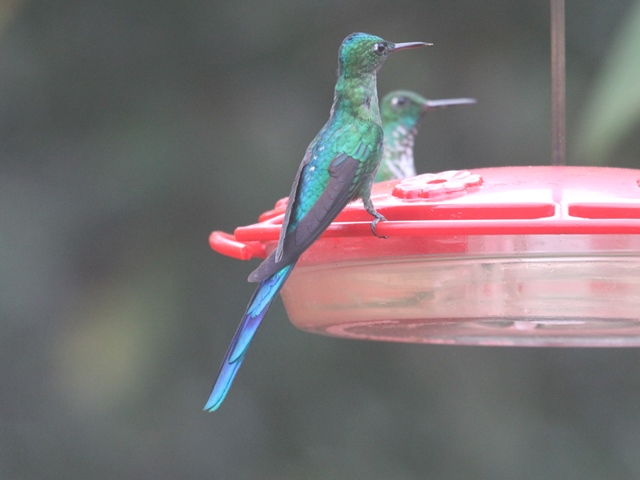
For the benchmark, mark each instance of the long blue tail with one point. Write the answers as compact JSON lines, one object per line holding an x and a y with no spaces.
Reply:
{"x":259,"y":304}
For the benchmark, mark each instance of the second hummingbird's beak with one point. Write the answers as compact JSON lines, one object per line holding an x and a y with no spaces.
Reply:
{"x":432,"y":104}
{"x":408,"y":45}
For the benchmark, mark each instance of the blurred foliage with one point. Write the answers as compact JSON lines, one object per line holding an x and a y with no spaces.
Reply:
{"x":612,"y":112}
{"x":8,"y":8}
{"x":130,"y":130}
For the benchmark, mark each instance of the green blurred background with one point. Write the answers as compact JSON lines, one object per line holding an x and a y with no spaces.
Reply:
{"x":132,"y":129}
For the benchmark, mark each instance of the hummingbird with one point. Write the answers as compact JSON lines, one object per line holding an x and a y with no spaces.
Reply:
{"x":338,"y":167}
{"x":401,"y":113}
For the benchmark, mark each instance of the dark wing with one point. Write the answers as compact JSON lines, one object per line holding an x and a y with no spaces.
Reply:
{"x":339,"y":191}
{"x":290,"y":206}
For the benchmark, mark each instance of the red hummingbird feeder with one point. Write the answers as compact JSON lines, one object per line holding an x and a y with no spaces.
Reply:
{"x":522,"y":256}
{"x":538,"y":256}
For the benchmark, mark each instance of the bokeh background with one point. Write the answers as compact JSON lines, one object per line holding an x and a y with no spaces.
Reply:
{"x":129,"y":130}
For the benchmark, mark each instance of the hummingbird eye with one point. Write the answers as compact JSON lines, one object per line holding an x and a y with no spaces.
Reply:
{"x":380,"y":48}
{"x":398,"y":101}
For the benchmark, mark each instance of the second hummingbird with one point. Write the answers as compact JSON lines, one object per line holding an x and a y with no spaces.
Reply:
{"x":401,"y":113}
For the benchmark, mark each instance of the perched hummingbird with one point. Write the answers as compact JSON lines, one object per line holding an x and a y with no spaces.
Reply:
{"x":339,"y":166}
{"x":401,"y":113}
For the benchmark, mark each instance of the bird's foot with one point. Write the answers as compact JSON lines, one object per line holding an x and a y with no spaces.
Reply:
{"x":379,"y":218}
{"x":368,"y":206}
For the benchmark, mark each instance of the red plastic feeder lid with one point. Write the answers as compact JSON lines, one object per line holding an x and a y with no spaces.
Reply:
{"x":496,"y":256}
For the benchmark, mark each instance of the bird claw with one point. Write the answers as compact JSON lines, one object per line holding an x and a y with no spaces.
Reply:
{"x":378,"y":219}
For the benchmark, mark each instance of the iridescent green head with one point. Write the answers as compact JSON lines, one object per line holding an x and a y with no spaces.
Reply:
{"x":401,"y":112}
{"x":403,"y":107}
{"x":406,"y":108}
{"x":362,"y":53}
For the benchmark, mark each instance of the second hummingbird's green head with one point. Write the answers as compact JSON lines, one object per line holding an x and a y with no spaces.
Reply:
{"x":403,"y":106}
{"x":406,"y":108}
{"x":362,"y":53}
